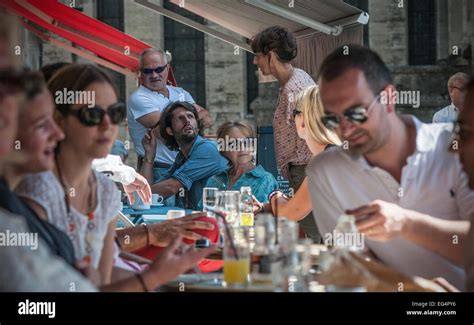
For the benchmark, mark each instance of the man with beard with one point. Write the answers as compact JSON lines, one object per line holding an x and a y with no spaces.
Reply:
{"x":197,"y":159}
{"x":408,"y":194}
{"x":147,"y":103}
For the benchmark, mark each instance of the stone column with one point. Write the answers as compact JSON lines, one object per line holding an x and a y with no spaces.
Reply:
{"x":388,"y":30}
{"x":226,"y":81}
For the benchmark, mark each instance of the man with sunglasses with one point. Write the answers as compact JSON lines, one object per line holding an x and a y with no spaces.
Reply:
{"x":456,"y":87}
{"x":148,"y":102}
{"x":388,"y":167}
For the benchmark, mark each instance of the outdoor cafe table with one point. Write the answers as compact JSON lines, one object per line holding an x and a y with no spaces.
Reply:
{"x":155,"y":210}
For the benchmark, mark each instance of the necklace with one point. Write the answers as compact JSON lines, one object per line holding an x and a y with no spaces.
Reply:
{"x":71,"y":223}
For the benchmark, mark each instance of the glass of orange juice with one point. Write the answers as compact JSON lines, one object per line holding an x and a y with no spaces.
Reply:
{"x":236,"y":257}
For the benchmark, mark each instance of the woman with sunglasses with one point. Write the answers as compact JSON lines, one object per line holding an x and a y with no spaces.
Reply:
{"x":236,"y":142}
{"x":307,"y":116}
{"x":38,"y":135}
{"x":81,"y":202}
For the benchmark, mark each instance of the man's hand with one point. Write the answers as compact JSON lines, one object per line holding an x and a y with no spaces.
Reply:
{"x":206,"y":119}
{"x":380,"y":220}
{"x":162,"y":234}
{"x":175,"y":260}
{"x":140,"y":184}
{"x":149,"y":144}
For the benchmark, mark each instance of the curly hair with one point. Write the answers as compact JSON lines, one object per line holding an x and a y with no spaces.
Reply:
{"x":277,"y":39}
{"x":166,"y":121}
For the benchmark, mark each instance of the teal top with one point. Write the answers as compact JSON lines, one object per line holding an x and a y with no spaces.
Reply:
{"x":258,"y":179}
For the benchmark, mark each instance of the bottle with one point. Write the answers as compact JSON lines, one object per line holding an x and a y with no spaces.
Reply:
{"x":263,"y":255}
{"x":246,"y":207}
{"x":287,"y":253}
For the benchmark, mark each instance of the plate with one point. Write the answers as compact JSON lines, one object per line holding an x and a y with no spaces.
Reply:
{"x":159,"y":205}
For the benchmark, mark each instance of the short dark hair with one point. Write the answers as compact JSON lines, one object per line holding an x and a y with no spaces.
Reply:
{"x":50,"y":69}
{"x":166,"y":121}
{"x":356,"y":57}
{"x":277,"y":39}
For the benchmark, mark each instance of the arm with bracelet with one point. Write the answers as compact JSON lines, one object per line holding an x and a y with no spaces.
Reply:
{"x":295,"y":208}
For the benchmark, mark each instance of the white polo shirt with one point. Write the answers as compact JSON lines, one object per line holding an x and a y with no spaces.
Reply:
{"x":144,"y":101}
{"x":432,"y":182}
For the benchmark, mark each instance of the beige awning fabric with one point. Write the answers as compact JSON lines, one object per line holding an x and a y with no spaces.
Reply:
{"x":313,"y":49}
{"x":247,"y":20}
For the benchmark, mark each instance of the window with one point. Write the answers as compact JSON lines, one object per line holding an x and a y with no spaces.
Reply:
{"x":421,"y":32}
{"x":187,"y":48}
{"x":111,"y":13}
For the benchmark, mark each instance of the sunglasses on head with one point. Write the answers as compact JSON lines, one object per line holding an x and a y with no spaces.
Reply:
{"x":151,"y":70}
{"x":355,"y":115}
{"x":93,"y":116}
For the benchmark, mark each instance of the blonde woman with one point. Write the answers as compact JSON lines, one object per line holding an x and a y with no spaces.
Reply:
{"x":318,"y":138}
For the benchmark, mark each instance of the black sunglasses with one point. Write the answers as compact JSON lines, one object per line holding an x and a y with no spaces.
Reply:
{"x":157,"y":70}
{"x":356,"y":115}
{"x":295,"y":112}
{"x":93,"y":116}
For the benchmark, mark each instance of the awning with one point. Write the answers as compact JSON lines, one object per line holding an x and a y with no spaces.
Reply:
{"x":98,"y":41}
{"x":245,"y":18}
{"x":319,"y":25}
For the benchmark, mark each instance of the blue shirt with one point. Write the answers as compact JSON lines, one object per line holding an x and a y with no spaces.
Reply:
{"x":144,"y":101}
{"x":260,"y":181}
{"x":193,"y":171}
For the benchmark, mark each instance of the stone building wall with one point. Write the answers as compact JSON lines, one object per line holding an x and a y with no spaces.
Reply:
{"x":226,"y":83}
{"x":226,"y":86}
{"x":388,"y":35}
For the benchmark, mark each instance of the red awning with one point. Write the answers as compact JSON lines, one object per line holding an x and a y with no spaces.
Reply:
{"x":112,"y":47}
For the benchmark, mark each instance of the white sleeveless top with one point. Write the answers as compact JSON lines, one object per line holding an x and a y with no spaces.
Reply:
{"x":45,"y":190}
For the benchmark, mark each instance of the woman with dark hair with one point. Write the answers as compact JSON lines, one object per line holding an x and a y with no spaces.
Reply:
{"x":237,"y":143}
{"x":81,"y":202}
{"x":275,"y":48}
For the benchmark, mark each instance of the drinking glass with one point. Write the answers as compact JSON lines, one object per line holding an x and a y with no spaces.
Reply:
{"x":209,"y":200}
{"x":236,"y":257}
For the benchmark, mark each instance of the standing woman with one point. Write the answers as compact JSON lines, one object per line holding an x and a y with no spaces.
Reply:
{"x":275,"y":48}
{"x":88,"y":201}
